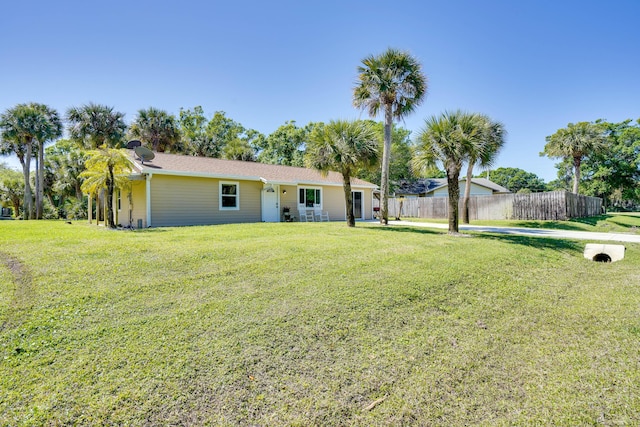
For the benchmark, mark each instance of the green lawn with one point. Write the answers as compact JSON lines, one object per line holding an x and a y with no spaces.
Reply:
{"x":312,"y":324}
{"x":628,"y":222}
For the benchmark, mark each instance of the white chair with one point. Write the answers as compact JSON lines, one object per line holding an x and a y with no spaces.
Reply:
{"x":320,"y":216}
{"x":306,"y":215}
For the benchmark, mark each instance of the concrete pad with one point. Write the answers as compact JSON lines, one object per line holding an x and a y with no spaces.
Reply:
{"x":604,"y":253}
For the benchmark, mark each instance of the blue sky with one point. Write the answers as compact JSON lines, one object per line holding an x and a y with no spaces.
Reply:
{"x":533,"y":65}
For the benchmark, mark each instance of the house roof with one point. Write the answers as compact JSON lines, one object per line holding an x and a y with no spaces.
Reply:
{"x":174,"y":164}
{"x":428,"y":185}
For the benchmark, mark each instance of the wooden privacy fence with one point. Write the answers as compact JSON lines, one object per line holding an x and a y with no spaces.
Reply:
{"x":556,"y":205}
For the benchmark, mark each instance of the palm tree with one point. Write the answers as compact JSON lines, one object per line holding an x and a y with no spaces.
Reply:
{"x":343,"y":146}
{"x":156,"y":127}
{"x":96,"y":126}
{"x":93,"y":126}
{"x":575,"y":142}
{"x":448,"y":139}
{"x":392,"y":82}
{"x":106,"y":168}
{"x":484,"y":153}
{"x":19,"y":129}
{"x":50,"y":128}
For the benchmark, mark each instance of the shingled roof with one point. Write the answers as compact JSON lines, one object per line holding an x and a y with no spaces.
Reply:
{"x":174,"y":164}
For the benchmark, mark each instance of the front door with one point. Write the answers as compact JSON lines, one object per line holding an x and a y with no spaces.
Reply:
{"x":357,"y":204}
{"x":270,"y":205}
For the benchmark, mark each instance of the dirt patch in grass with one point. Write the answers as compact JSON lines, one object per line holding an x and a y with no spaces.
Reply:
{"x":23,"y":292}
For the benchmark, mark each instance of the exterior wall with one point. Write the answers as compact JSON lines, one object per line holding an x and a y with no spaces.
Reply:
{"x":179,"y":200}
{"x":133,"y":200}
{"x":289,"y":200}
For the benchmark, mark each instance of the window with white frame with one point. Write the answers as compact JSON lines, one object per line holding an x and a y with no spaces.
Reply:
{"x":229,"y":196}
{"x":310,"y":197}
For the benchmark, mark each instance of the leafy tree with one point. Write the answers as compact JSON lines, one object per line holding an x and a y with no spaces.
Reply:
{"x":343,"y":146}
{"x":575,"y":142}
{"x":612,"y":173}
{"x":448,"y":139}
{"x":24,"y":129}
{"x":11,"y":188}
{"x":63,"y":165}
{"x":490,"y":142}
{"x":517,"y":180}
{"x":94,"y":126}
{"x":394,"y":83}
{"x":286,"y":145}
{"x":106,"y":168}
{"x":157,"y":128}
{"x":193,"y":125}
{"x":239,"y":149}
{"x":222,"y":130}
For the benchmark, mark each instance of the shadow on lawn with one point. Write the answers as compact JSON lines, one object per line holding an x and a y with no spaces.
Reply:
{"x":415,"y":230}
{"x":535,"y":242}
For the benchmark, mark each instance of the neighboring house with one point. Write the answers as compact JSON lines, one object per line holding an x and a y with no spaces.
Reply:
{"x":173,"y":190}
{"x":438,"y":187}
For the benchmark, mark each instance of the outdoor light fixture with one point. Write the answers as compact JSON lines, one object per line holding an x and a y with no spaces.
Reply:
{"x":284,"y":191}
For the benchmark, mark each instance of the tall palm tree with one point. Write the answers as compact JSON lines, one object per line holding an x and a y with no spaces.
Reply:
{"x":156,"y":127}
{"x":50,"y":128}
{"x":343,"y":146}
{"x":106,"y":168}
{"x":484,"y":153}
{"x":575,"y":142}
{"x":94,"y":125}
{"x":448,"y":139}
{"x":394,"y":83}
{"x":19,"y":130}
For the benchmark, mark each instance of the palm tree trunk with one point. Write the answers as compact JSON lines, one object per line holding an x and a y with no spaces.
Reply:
{"x":110,"y":184}
{"x":40,"y":182}
{"x":26,"y":172}
{"x":348,"y":198}
{"x":467,"y":195}
{"x":386,"y":156}
{"x":454,"y":199}
{"x":576,"y":174}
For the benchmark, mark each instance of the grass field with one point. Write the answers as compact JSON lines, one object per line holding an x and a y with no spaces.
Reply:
{"x":312,"y":324}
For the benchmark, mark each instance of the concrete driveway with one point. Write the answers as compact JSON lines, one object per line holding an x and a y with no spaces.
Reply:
{"x":533,"y":232}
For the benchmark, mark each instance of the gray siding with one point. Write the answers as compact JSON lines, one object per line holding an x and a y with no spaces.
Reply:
{"x":179,"y":200}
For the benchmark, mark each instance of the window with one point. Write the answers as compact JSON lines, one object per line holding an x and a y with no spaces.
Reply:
{"x":310,"y":197}
{"x":119,"y":200}
{"x":229,"y":196}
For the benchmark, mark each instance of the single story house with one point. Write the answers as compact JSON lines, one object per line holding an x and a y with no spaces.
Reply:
{"x":438,"y":187}
{"x":174,"y":190}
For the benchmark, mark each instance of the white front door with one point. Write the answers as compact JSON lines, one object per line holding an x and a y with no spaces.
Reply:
{"x":270,"y":204}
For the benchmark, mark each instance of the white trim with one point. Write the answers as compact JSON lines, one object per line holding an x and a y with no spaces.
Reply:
{"x":308,"y":187}
{"x":237,"y":196}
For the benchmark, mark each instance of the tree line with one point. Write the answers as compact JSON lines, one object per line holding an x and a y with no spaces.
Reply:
{"x":597,"y":158}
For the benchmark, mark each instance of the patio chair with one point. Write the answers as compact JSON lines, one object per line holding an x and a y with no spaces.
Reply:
{"x":306,"y":215}
{"x":320,"y":215}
